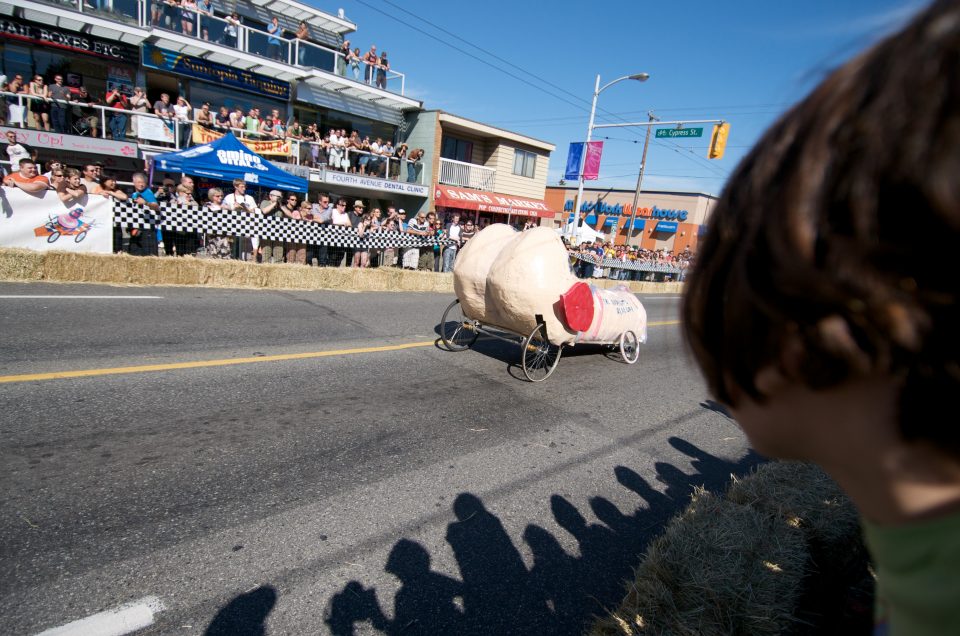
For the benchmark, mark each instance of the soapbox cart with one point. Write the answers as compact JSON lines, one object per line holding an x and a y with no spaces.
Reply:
{"x":539,"y":356}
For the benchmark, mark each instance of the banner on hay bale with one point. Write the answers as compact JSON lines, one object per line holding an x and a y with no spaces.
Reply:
{"x":42,"y":222}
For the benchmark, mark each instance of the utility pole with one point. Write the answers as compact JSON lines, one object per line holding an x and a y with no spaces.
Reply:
{"x":643,"y":165}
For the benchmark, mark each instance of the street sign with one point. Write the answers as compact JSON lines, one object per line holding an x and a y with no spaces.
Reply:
{"x":679,"y":132}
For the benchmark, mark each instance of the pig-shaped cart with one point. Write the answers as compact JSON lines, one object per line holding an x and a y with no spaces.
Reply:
{"x":517,"y":287}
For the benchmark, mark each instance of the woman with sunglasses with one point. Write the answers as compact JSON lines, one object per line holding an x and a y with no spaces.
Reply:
{"x":108,"y":188}
{"x":216,"y":245}
{"x":39,"y":108}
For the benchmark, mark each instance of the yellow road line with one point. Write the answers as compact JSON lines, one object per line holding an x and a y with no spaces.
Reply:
{"x":200,"y":364}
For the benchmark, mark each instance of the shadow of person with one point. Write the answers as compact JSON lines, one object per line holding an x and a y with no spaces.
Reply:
{"x":496,"y":598}
{"x":245,"y":615}
{"x":425,"y":603}
{"x":355,"y":604}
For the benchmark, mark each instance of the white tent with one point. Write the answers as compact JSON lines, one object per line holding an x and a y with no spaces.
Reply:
{"x":580,"y":234}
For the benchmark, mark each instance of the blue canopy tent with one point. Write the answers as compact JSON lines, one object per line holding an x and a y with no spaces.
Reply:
{"x":227,"y":159}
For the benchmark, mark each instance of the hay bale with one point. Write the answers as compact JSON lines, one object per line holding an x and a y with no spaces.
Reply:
{"x":803,"y":495}
{"x":719,"y":568}
{"x":20,"y":264}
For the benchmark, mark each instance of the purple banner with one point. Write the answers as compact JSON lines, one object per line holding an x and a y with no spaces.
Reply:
{"x":591,"y":165}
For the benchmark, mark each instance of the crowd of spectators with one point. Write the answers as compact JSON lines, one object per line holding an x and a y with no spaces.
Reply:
{"x":588,"y":260}
{"x":197,"y":18}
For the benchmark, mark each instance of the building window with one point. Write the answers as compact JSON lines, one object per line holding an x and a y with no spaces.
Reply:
{"x":457,"y":149}
{"x":524,"y":163}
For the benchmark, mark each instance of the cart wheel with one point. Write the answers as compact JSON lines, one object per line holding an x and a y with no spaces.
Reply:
{"x":540,"y":358}
{"x":53,"y":237}
{"x":456,"y":331}
{"x":629,"y":347}
{"x":79,"y":237}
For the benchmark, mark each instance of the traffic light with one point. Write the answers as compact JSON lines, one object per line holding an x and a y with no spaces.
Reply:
{"x":718,"y":141}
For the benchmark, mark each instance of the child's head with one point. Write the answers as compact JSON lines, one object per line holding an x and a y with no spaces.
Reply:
{"x":830,"y":252}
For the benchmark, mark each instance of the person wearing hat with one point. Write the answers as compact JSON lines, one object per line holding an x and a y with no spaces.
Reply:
{"x":408,"y":256}
{"x":271,"y":251}
{"x":420,"y":227}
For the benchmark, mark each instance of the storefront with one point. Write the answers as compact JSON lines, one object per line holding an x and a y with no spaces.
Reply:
{"x":671,"y":221}
{"x":376,"y":193}
{"x":29,"y":49}
{"x":489,"y":207}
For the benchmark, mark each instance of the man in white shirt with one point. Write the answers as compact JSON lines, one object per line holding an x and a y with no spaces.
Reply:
{"x":16,"y":151}
{"x":240,"y":201}
{"x":450,"y":251}
{"x":89,"y":177}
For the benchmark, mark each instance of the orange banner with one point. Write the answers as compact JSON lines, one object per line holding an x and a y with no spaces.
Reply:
{"x":276,"y":147}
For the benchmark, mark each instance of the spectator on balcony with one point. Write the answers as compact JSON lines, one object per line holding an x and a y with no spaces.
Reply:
{"x":26,"y":178}
{"x":231,"y":30}
{"x":358,"y":155}
{"x":221,"y":120}
{"x":205,"y":118}
{"x":354,"y":60}
{"x":251,"y":124}
{"x":386,"y":160}
{"x":60,"y":95}
{"x":373,"y":165}
{"x":204,"y":8}
{"x":303,"y":39}
{"x":171,"y":15}
{"x":40,"y":107}
{"x":371,"y":60}
{"x":236,"y":120}
{"x":118,"y":121}
{"x":181,"y":112}
{"x":85,"y":117}
{"x":343,"y":58}
{"x":162,"y":108}
{"x":382,"y":67}
{"x":273,"y":38}
{"x":265,"y":131}
{"x":413,"y":164}
{"x":188,"y":16}
{"x":138,"y":104}
{"x":295,"y":130}
{"x":400,"y":157}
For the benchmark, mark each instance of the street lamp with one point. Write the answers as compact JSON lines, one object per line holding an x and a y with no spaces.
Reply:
{"x":597,"y":89}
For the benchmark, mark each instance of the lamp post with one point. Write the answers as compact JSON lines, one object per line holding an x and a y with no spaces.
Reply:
{"x":643,"y":166}
{"x":597,"y":89}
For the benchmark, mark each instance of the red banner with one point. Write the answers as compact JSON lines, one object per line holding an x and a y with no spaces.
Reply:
{"x":450,"y":197}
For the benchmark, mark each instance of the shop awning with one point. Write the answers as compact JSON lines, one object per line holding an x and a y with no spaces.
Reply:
{"x":610,"y":220}
{"x":450,"y":197}
{"x":638,"y":224}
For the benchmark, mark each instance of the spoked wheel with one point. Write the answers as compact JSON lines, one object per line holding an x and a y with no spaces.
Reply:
{"x":540,"y":358}
{"x":629,"y":347}
{"x":456,"y":330}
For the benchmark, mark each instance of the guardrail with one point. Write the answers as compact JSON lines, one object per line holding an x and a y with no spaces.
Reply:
{"x":466,"y":175}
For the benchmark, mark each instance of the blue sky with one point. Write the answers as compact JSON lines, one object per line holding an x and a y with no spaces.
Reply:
{"x":745,"y":62}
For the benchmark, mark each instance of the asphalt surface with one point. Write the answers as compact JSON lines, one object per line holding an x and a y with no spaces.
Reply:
{"x":402,"y":491}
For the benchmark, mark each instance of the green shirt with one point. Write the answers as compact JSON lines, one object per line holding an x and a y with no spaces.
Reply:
{"x":918,"y":576}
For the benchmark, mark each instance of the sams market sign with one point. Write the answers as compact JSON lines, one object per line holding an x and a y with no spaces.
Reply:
{"x":24,"y":31}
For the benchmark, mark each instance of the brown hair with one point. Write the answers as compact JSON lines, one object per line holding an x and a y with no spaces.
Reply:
{"x":830,"y":253}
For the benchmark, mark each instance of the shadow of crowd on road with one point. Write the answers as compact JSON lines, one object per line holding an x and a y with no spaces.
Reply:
{"x":497,"y":594}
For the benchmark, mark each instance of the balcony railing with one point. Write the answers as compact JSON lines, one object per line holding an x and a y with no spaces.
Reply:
{"x":210,"y":28}
{"x":466,"y":175}
{"x":94,"y":120}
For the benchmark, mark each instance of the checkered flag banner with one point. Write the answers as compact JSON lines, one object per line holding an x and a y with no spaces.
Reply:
{"x":178,"y":217}
{"x":636,"y":266}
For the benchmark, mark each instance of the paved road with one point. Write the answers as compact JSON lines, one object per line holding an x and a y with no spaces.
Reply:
{"x":400,"y":490}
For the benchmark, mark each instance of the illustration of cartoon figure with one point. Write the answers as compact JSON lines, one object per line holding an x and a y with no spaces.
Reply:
{"x":71,"y":223}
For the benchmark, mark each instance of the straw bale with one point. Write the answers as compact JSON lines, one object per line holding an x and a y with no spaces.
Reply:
{"x":20,"y":264}
{"x":802,"y":494}
{"x":737,"y":565}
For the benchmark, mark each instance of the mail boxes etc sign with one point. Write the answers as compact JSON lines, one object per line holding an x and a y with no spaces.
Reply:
{"x":617,"y":209}
{"x":12,"y":28}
